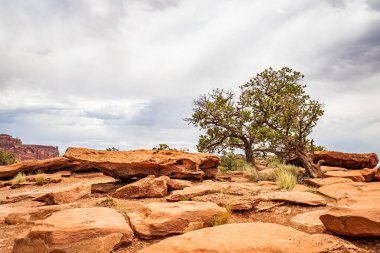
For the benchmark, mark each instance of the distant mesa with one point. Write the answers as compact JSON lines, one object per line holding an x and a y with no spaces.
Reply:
{"x":26,"y":151}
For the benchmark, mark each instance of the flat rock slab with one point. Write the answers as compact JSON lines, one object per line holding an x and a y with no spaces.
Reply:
{"x":96,"y":229}
{"x":298,"y":197}
{"x":331,"y":168}
{"x":347,"y":160}
{"x":310,"y":220}
{"x":52,"y":164}
{"x":178,"y":184}
{"x":342,"y":190}
{"x":251,"y":237}
{"x":232,"y":202}
{"x":65,"y":194}
{"x":301,"y":188}
{"x":354,"y":175}
{"x":357,"y":215}
{"x":161,"y":219}
{"x":148,"y":187}
{"x":141,"y":163}
{"x":319,"y":182}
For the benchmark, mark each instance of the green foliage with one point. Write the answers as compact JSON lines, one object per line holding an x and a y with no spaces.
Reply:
{"x":19,"y":178}
{"x":7,"y":158}
{"x":273,"y":161}
{"x":272,"y":114}
{"x":230,"y":162}
{"x":162,"y":147}
{"x":222,"y":218}
{"x":112,"y":149}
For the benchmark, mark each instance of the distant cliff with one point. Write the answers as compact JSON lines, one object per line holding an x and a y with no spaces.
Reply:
{"x":26,"y":151}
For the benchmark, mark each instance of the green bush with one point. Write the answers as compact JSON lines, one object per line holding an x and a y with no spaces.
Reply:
{"x":19,"y":178}
{"x":230,"y":162}
{"x":273,"y":161}
{"x":7,"y":158}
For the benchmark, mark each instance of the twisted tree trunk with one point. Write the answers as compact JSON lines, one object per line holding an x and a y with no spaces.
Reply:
{"x":307,"y":159}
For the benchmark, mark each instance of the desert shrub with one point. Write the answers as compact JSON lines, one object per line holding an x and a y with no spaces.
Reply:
{"x":162,"y":147}
{"x":40,"y":178}
{"x":273,"y":161}
{"x":285,"y":179}
{"x":112,"y":149}
{"x":222,"y":218}
{"x":269,"y":176}
{"x":7,"y":158}
{"x":19,"y":178}
{"x":108,"y":202}
{"x":231,"y":162}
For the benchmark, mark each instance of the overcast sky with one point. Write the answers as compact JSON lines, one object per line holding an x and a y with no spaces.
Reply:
{"x":123,"y":73}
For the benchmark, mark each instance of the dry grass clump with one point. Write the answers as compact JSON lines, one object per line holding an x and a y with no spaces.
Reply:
{"x":40,"y":178}
{"x":286,"y":180}
{"x":108,"y":202}
{"x":19,"y":178}
{"x":222,"y":218}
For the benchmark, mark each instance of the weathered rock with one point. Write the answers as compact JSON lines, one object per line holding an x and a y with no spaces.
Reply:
{"x":377,"y":175}
{"x":330,"y":168}
{"x":310,"y":220}
{"x":298,"y":197}
{"x":141,"y":163}
{"x":368,"y":174}
{"x":342,"y":190}
{"x":357,"y":215}
{"x":96,"y":229}
{"x":65,"y":194}
{"x":178,"y":184}
{"x":161,"y":219}
{"x":187,"y":193}
{"x":52,"y":164}
{"x":251,"y":237}
{"x":103,"y":187}
{"x":301,"y":188}
{"x":354,"y":175}
{"x":148,"y":187}
{"x":319,"y":182}
{"x":347,"y":160}
{"x":232,"y":202}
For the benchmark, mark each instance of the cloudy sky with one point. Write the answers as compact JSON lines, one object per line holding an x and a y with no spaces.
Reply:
{"x":123,"y":73}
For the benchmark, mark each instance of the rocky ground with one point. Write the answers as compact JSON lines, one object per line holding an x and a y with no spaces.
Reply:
{"x":91,"y":212}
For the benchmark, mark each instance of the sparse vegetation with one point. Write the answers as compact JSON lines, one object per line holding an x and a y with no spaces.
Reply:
{"x":108,"y":202}
{"x":162,"y":146}
{"x":19,"y":178}
{"x":41,"y":179}
{"x":7,"y":158}
{"x":222,"y":218}
{"x":285,"y":179}
{"x":112,"y":149}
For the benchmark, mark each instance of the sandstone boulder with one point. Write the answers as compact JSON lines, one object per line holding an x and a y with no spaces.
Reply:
{"x":251,"y":237}
{"x":52,"y":164}
{"x":187,"y":193}
{"x":368,"y":174}
{"x":232,"y":202}
{"x":178,"y":184}
{"x":310,"y":220}
{"x":65,"y":194}
{"x":356,"y":215}
{"x":141,"y":163}
{"x":148,"y":187}
{"x":161,"y":219}
{"x":342,"y":190}
{"x":347,"y":160}
{"x":319,"y":182}
{"x":95,"y":230}
{"x":354,"y":175}
{"x":298,"y":197}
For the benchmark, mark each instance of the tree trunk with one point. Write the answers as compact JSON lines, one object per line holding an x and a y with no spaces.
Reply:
{"x":249,"y":154}
{"x":314,"y":170}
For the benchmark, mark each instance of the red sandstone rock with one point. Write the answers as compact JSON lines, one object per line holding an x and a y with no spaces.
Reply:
{"x":24,"y":152}
{"x":251,"y":237}
{"x":148,"y":187}
{"x":298,"y":197}
{"x":52,"y":164}
{"x":161,"y":219}
{"x":354,"y":175}
{"x":368,"y":174}
{"x":347,"y":160}
{"x":141,"y":163}
{"x":96,"y":229}
{"x":319,"y":182}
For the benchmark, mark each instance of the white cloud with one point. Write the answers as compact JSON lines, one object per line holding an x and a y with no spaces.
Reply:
{"x":123,"y":73}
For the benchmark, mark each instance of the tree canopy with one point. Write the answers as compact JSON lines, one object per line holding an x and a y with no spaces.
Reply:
{"x":271,"y":114}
